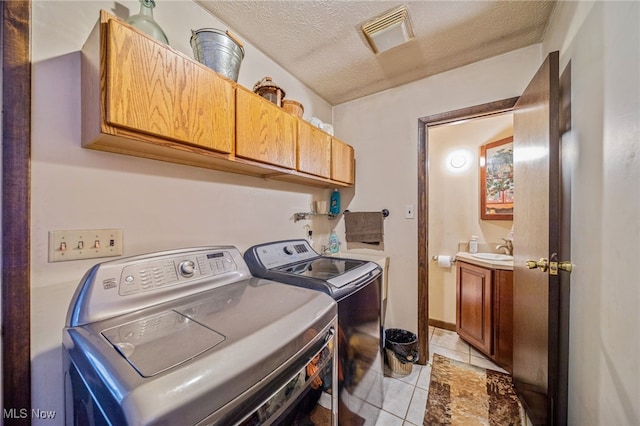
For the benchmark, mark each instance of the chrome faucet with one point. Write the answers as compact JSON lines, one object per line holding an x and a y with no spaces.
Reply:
{"x":508,"y":246}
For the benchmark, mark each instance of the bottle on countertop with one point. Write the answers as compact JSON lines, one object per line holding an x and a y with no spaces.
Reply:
{"x":334,"y":242}
{"x":334,"y":207}
{"x":473,"y":244}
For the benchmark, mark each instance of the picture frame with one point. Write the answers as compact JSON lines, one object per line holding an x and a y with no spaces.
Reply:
{"x":496,"y":180}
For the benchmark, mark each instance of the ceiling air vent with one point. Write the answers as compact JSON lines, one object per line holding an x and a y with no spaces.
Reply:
{"x":388,"y":30}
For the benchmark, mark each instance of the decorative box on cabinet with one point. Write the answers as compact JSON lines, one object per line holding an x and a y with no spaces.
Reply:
{"x":484,"y":311}
{"x":264,"y":131}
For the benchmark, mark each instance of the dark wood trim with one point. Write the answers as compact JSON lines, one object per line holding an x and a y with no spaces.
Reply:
{"x":16,"y":154}
{"x":424,"y":123}
{"x":423,"y":240}
{"x":565,"y":242}
{"x":442,"y":324}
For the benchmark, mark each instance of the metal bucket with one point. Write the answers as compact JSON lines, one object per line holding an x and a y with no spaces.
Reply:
{"x":218,"y":51}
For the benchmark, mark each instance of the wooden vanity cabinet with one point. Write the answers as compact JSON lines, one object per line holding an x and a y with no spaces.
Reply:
{"x":264,"y":131}
{"x":134,"y":87}
{"x":503,"y":318}
{"x":342,"y":162}
{"x":484,"y":311}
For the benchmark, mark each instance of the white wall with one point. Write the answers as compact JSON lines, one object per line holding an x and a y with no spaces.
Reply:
{"x":454,"y":203}
{"x":383,"y":128}
{"x":602,"y":41}
{"x":158,"y":205}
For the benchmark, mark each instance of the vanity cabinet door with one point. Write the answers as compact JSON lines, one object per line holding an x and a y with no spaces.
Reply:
{"x":503,"y":318}
{"x":342,"y":161}
{"x":314,"y":150}
{"x":474,"y":307}
{"x":150,"y":91}
{"x":264,"y":132}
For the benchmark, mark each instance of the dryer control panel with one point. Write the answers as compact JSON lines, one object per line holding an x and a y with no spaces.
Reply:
{"x":127,"y":285}
{"x":146,"y":276}
{"x":281,"y":253}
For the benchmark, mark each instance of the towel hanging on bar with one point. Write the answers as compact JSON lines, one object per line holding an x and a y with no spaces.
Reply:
{"x":364,"y":227}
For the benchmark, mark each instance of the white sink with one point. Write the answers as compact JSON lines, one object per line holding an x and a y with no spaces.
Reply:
{"x":492,"y":256}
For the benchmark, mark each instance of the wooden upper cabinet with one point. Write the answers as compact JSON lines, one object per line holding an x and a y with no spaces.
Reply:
{"x":264,"y":131}
{"x":314,"y":150}
{"x":342,"y":162}
{"x":141,"y":97}
{"x":153,"y":90}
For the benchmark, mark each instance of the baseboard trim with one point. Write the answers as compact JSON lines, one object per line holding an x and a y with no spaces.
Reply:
{"x":442,"y":324}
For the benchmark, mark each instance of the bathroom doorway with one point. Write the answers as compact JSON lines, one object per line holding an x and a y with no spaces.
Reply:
{"x":424,"y":261}
{"x":454,"y":203}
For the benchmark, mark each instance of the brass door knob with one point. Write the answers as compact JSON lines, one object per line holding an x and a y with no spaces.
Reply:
{"x":542,"y":264}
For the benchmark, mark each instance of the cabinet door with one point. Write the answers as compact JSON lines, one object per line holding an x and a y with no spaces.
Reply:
{"x":342,"y":162}
{"x":503,"y":318}
{"x":151,"y":91}
{"x":314,"y":150}
{"x":264,"y":132}
{"x":473,"y":306}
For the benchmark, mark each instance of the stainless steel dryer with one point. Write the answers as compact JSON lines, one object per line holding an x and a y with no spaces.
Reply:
{"x":189,"y":337}
{"x":356,"y":286}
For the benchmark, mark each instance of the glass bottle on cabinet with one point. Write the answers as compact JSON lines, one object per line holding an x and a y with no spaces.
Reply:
{"x":144,"y":21}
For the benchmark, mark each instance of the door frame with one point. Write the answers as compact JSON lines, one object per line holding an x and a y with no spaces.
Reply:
{"x":15,"y":51}
{"x":477,"y":111}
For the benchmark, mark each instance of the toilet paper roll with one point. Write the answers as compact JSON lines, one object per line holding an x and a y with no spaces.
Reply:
{"x":444,"y":261}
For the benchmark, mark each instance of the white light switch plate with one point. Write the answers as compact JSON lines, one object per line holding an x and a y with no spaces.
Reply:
{"x":85,"y":244}
{"x":408,"y":213}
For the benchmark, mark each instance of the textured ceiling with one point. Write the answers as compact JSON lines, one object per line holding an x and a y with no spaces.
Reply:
{"x":321,"y":44}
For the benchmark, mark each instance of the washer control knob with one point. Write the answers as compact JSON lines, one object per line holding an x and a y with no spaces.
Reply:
{"x":289,"y":249}
{"x":187,"y":268}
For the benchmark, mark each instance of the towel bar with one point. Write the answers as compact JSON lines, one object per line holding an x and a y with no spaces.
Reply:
{"x":385,"y":212}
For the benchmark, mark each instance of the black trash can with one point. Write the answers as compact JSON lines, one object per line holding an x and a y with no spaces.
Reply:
{"x":401,"y":348}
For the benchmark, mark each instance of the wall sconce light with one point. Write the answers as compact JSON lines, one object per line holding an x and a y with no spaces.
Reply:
{"x":388,"y":30}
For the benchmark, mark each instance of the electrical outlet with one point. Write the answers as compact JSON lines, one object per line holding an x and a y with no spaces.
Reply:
{"x":85,"y":244}
{"x":408,"y":212}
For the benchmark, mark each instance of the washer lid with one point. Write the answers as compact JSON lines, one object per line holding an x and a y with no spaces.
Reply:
{"x":324,"y":268}
{"x":159,"y":342}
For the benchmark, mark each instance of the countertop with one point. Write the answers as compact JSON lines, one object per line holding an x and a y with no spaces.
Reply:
{"x":464,"y":256}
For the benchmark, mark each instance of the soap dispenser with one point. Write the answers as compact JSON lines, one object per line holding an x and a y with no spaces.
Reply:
{"x":334,"y":242}
{"x":473,"y":244}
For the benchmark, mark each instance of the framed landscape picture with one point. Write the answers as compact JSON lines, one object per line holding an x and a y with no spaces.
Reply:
{"x":496,"y":180}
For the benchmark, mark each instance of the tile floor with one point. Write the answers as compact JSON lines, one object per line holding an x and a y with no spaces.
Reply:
{"x":405,"y":397}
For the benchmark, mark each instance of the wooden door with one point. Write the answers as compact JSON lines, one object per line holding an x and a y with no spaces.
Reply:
{"x":536,"y":294}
